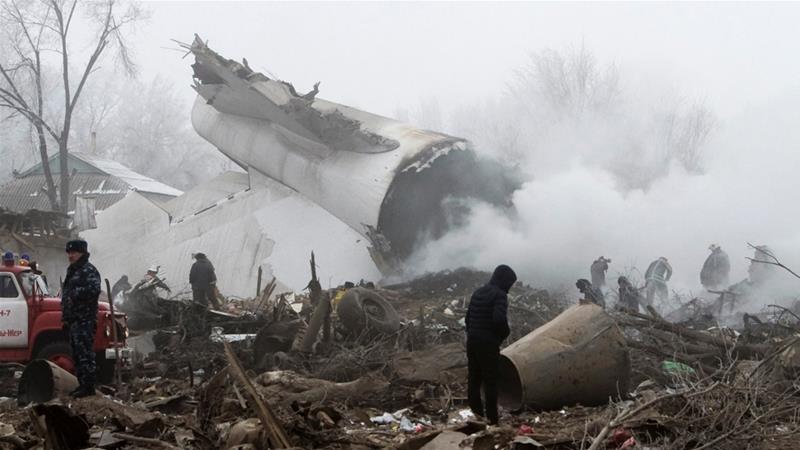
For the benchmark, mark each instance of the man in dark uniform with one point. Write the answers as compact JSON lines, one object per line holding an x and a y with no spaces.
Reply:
{"x":79,"y":313}
{"x":716,"y":269}
{"x":598,"y":270}
{"x":203,"y":279}
{"x":487,"y":327}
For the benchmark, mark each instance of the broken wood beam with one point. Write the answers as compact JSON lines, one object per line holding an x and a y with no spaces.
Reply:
{"x":685,"y":332}
{"x":321,"y":312}
{"x":145,"y":441}
{"x":258,"y":281}
{"x":275,"y":432}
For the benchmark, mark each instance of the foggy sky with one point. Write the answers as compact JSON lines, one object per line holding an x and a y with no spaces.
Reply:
{"x":381,"y":56}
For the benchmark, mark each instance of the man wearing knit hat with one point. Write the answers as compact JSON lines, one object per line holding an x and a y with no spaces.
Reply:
{"x":8,"y":258}
{"x":79,"y":313}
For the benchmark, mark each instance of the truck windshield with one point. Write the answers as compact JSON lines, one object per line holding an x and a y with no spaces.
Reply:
{"x":29,"y":279}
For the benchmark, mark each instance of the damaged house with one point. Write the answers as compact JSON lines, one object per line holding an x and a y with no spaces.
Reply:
{"x":359,"y":189}
{"x":27,"y":223}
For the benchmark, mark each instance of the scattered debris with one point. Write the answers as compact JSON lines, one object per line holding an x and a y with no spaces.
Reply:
{"x":249,"y":383}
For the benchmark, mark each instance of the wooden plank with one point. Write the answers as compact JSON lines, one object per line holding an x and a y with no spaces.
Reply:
{"x":276,"y":433}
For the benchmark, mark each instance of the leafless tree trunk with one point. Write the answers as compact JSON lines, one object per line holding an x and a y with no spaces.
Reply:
{"x":52,"y":20}
{"x":11,"y":95}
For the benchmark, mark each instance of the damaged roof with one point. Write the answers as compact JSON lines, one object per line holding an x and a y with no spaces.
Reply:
{"x":105,"y":180}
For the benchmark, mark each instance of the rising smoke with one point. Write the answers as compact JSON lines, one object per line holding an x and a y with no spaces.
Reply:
{"x":612,"y":178}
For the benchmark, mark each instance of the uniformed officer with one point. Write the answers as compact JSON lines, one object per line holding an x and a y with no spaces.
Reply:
{"x":79,"y":313}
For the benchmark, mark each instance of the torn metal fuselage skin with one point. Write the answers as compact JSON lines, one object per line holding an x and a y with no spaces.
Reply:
{"x":385,"y":179}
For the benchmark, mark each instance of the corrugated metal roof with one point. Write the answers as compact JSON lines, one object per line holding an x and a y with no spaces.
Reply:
{"x":105,"y":180}
{"x":23,"y":194}
{"x":135,"y":180}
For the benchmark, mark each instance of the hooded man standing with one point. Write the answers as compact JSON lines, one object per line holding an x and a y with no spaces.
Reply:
{"x":79,"y":313}
{"x":487,"y":327}
{"x":202,"y":277}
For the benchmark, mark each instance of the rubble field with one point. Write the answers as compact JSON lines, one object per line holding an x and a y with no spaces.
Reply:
{"x":286,"y":370}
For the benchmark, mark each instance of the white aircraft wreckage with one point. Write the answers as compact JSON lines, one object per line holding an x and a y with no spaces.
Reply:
{"x":361,"y":190}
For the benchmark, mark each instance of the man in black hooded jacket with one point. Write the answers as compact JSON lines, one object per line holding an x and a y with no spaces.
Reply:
{"x":487,"y":328}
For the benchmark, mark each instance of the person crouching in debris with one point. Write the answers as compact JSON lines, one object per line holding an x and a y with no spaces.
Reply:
{"x":590,"y":293}
{"x":656,"y":276}
{"x":716,"y":269}
{"x":487,"y":327}
{"x":203,"y":279}
{"x":151,"y":279}
{"x":629,"y":297}
{"x":79,"y":296}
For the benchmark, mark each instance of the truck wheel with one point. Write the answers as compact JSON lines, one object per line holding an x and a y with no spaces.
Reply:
{"x":361,"y":308}
{"x":60,"y":353}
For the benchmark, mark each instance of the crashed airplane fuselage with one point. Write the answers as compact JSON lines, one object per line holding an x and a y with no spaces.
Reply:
{"x":360,"y":190}
{"x":385,"y":179}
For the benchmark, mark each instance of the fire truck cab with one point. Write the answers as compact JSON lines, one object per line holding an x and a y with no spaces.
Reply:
{"x":31,"y":326}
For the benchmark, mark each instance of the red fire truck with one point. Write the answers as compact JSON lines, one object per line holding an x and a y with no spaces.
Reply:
{"x":31,"y":327}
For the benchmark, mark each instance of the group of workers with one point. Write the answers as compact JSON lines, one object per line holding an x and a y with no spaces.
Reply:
{"x":487,"y":324}
{"x":713,"y":276}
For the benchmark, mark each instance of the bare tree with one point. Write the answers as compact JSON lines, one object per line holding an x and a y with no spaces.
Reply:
{"x":43,"y":27}
{"x":148,"y":131}
{"x":570,"y":83}
{"x":27,"y":69}
{"x":685,"y":131}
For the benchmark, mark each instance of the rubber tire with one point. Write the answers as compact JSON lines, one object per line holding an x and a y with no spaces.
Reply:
{"x":363,"y":308}
{"x":55,"y":348}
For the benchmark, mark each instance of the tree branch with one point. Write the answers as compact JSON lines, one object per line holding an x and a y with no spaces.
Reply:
{"x":30,"y":115}
{"x":774,"y":260}
{"x":102,"y":42}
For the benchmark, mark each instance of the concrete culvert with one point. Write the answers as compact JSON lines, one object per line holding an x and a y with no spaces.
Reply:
{"x":580,"y":357}
{"x":363,"y":308}
{"x":43,"y":381}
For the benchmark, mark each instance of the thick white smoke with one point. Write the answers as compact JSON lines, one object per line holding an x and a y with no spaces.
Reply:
{"x":576,"y":210}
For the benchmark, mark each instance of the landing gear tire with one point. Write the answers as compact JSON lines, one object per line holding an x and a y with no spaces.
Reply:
{"x":363,"y":308}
